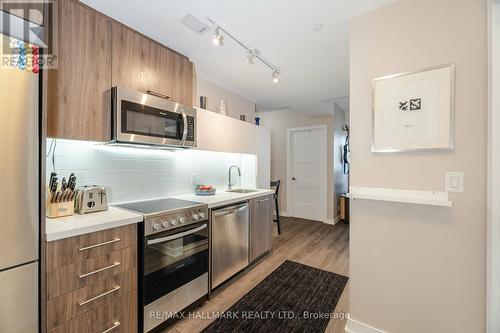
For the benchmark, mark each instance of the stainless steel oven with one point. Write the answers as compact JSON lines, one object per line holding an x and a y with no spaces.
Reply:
{"x":173,"y":259}
{"x":140,"y":118}
{"x":175,"y":272}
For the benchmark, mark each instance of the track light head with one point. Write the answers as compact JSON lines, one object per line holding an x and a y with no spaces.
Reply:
{"x":251,"y":54}
{"x":218,"y":39}
{"x":276,"y":77}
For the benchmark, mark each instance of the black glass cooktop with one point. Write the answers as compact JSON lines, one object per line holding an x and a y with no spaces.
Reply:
{"x":157,"y":206}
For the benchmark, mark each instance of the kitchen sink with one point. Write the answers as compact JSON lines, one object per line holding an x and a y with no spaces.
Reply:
{"x":241,"y":190}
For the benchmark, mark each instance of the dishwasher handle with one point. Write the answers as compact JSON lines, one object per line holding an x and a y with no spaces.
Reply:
{"x":230,"y":210}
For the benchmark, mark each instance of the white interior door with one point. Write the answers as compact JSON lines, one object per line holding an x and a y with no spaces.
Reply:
{"x":307,"y":175}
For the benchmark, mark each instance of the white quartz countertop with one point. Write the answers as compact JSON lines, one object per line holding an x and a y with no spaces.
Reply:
{"x":222,"y":197}
{"x":77,"y":224}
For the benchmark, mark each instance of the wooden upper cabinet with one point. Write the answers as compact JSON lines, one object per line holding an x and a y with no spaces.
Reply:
{"x":28,"y":10}
{"x":96,"y":53}
{"x":142,"y":64}
{"x":79,"y":97}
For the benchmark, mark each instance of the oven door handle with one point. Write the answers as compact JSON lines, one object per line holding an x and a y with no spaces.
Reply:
{"x":184,"y":127}
{"x":176,"y":236}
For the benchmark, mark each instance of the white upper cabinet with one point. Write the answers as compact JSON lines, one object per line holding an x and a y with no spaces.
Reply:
{"x":217,"y":132}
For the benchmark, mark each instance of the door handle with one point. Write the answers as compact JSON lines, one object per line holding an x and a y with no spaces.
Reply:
{"x":232,"y":210}
{"x":293,"y":178}
{"x":157,"y":94}
{"x":176,"y":236}
{"x":184,"y":127}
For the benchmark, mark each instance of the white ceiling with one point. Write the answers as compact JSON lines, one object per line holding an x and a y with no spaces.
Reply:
{"x":314,"y":65}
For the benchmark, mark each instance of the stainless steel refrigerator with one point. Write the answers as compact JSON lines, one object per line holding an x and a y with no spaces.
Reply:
{"x":19,"y":200}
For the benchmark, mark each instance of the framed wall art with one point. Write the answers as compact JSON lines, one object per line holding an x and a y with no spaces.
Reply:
{"x":414,"y":111}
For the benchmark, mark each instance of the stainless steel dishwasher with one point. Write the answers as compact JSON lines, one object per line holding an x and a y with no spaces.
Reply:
{"x":229,"y":242}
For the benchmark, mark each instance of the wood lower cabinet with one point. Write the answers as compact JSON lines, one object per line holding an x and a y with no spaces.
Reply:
{"x":261,"y":220}
{"x":142,"y":64}
{"x":91,"y":282}
{"x":71,"y":305}
{"x":64,"y":252}
{"x":117,"y":316}
{"x":78,"y":94}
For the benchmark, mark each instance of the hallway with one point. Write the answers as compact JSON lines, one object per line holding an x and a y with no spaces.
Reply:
{"x":308,"y":242}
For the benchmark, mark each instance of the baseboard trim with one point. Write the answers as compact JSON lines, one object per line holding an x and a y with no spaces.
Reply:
{"x":354,"y":326}
{"x":282,"y":213}
{"x":333,"y":221}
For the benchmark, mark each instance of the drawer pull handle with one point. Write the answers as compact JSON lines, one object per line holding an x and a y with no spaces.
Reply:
{"x":100,"y":244}
{"x":99,"y":296}
{"x":262,"y":200}
{"x":116,"y":264}
{"x":115,"y":325}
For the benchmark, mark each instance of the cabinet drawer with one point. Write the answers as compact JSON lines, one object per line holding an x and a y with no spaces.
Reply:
{"x":66,"y":279}
{"x":83,"y":300}
{"x":66,"y":251}
{"x":117,"y":316}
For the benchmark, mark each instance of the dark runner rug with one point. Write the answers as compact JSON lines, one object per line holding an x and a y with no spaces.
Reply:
{"x":293,"y":298}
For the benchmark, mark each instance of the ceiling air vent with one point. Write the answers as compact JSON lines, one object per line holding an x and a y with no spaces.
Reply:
{"x":194,"y":23}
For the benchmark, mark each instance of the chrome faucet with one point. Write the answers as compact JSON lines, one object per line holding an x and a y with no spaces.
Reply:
{"x":239,"y":174}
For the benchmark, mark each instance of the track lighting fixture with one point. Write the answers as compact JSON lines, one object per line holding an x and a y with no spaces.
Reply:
{"x":218,"y":39}
{"x":276,"y":76}
{"x":251,"y":54}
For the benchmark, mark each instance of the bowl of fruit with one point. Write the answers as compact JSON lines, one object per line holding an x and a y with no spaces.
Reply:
{"x":205,"y":190}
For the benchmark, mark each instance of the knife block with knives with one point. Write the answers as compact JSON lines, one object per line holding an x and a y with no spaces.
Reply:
{"x":61,"y":199}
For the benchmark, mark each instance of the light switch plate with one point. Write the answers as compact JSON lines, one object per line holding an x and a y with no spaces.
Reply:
{"x":455,"y":181}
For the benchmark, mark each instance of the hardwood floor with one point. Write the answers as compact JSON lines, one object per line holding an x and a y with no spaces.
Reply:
{"x":308,"y":242}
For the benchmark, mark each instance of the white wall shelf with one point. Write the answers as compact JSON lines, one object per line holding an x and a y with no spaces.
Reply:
{"x":430,"y":198}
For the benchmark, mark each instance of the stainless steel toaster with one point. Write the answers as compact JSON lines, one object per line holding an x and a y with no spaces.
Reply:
{"x":91,"y":199}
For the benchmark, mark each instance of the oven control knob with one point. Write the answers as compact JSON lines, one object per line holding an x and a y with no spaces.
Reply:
{"x":202,"y":215}
{"x":196,"y":216}
{"x":165,"y":224}
{"x":156,"y":226}
{"x":174,"y":221}
{"x":182,"y":220}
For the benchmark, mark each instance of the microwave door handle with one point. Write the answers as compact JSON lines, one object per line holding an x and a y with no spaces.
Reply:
{"x":176,"y":236}
{"x":184,"y":127}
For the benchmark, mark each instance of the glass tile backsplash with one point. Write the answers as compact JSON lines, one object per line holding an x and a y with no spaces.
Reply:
{"x":138,"y":174}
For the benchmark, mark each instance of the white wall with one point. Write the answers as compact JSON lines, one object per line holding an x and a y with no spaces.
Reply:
{"x":278,"y":121}
{"x":137,"y":174}
{"x":494,"y":167}
{"x":416,"y":268}
{"x":236,"y":104}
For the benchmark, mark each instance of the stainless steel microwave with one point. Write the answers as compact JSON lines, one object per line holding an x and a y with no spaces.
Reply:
{"x":140,"y":118}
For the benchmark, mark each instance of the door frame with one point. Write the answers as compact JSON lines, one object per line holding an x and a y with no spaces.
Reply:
{"x":493,"y":182}
{"x":289,"y":192}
